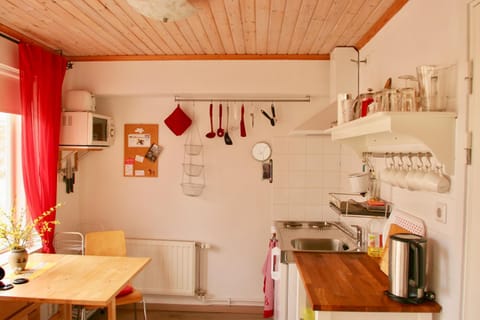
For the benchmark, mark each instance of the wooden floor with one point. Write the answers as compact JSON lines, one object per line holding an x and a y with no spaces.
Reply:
{"x":123,"y":314}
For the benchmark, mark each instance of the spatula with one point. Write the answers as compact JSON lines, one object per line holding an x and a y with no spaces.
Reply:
{"x":243,"y":131}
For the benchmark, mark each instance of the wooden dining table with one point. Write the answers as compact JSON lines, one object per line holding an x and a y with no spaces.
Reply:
{"x":69,"y":280}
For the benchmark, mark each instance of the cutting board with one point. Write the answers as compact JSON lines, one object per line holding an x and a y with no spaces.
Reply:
{"x":394,"y":229}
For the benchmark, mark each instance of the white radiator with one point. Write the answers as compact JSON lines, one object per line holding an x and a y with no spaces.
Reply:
{"x":172,"y":270}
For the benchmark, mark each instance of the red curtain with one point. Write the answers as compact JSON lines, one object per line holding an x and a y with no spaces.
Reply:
{"x":41,"y":78}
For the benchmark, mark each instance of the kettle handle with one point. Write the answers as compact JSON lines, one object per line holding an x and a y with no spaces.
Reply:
{"x":418,"y":266}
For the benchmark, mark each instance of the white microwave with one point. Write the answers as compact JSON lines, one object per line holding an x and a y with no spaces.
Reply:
{"x":86,"y":129}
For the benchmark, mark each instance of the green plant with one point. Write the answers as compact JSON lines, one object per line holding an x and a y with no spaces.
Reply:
{"x":16,"y":230}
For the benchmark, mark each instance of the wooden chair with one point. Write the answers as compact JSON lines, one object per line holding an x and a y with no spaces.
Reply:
{"x":112,"y":243}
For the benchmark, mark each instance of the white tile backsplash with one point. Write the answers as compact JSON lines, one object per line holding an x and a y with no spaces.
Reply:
{"x":280,"y":178}
{"x":297,"y":162}
{"x":280,"y":196}
{"x":314,"y":145}
{"x":306,"y":168}
{"x":297,"y":196}
{"x":331,"y":162}
{"x":314,"y":162}
{"x":330,"y":147}
{"x":296,"y":179}
{"x":297,"y":145}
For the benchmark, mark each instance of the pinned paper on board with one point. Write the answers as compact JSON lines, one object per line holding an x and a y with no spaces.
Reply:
{"x":128,"y":171}
{"x":136,"y":140}
{"x":153,"y":152}
{"x":141,"y":150}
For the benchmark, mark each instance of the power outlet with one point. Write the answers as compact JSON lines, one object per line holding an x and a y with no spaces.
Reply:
{"x":441,"y":212}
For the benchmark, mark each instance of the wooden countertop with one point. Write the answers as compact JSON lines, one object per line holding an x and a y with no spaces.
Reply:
{"x":350,"y":282}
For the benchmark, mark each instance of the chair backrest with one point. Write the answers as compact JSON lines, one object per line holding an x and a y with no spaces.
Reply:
{"x":69,"y":243}
{"x":105,"y":243}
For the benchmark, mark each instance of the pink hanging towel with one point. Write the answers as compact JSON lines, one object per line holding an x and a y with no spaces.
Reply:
{"x":268,"y":282}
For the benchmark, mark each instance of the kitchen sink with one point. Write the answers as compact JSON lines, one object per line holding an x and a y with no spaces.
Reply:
{"x":324,"y":236}
{"x":312,"y":244}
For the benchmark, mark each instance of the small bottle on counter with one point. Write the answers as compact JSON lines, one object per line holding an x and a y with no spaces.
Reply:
{"x":375,"y":238}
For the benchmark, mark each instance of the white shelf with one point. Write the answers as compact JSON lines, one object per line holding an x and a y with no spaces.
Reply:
{"x":402,"y":132}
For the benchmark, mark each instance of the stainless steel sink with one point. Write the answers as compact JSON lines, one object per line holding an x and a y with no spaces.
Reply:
{"x":319,"y":244}
{"x":325,"y":236}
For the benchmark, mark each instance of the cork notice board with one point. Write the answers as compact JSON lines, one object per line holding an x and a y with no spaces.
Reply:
{"x":141,"y":150}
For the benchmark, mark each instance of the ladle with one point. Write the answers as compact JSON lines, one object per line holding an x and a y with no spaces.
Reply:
{"x":211,"y":134}
{"x":227,"y":138}
{"x":220,"y":130}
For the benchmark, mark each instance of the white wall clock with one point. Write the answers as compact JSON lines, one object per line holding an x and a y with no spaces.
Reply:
{"x":261,"y":151}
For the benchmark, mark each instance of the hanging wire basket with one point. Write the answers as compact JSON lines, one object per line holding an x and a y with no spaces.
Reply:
{"x":193,"y":177}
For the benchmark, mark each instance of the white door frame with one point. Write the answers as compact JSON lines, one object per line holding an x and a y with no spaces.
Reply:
{"x":471,"y":282}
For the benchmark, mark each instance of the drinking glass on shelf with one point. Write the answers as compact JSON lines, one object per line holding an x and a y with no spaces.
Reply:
{"x":408,"y":94}
{"x":391,"y":100}
{"x":408,"y":100}
{"x":377,"y":104}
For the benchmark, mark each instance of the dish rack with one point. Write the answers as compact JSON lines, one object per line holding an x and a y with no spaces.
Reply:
{"x":193,"y":177}
{"x":355,"y":205}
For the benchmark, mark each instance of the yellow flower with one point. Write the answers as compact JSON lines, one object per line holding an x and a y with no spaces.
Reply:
{"x":16,"y":233}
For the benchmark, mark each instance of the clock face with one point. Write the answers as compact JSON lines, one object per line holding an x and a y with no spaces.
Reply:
{"x":261,"y":151}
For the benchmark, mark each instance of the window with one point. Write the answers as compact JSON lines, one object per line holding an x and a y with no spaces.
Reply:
{"x":11,"y":181}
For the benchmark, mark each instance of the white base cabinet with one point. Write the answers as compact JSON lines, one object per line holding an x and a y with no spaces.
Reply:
{"x":337,"y":315}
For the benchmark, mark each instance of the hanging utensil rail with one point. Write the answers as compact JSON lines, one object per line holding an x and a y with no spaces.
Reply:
{"x":396,"y":154}
{"x":238,"y":99}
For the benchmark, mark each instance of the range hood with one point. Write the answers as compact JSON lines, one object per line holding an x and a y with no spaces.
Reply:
{"x":319,"y":123}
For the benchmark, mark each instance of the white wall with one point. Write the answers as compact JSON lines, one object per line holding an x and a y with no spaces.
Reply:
{"x":428,"y":32}
{"x":234,"y":213}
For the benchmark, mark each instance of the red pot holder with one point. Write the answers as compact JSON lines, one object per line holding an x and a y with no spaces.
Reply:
{"x":178,"y":121}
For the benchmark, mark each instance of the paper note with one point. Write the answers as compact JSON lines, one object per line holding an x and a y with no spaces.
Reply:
{"x":139,"y":158}
{"x":139,"y":173}
{"x":129,"y":169}
{"x":136,"y":140}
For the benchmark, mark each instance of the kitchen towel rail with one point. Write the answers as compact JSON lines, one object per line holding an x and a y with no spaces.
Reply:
{"x":174,"y":268}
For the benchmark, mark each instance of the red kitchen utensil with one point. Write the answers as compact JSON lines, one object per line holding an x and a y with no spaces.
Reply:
{"x":211,"y":134}
{"x":220,"y":130}
{"x":243,"y":131}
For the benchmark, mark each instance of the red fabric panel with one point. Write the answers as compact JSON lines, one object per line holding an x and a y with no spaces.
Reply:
{"x":178,"y":121}
{"x":41,"y":78}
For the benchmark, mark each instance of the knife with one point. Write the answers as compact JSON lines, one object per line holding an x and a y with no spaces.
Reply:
{"x":273,"y":113}
{"x":243,"y":131}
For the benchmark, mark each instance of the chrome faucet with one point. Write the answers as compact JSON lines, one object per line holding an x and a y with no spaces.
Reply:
{"x":359,"y":236}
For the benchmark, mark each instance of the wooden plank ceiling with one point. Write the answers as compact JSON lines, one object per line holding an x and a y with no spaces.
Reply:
{"x":220,"y":29}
